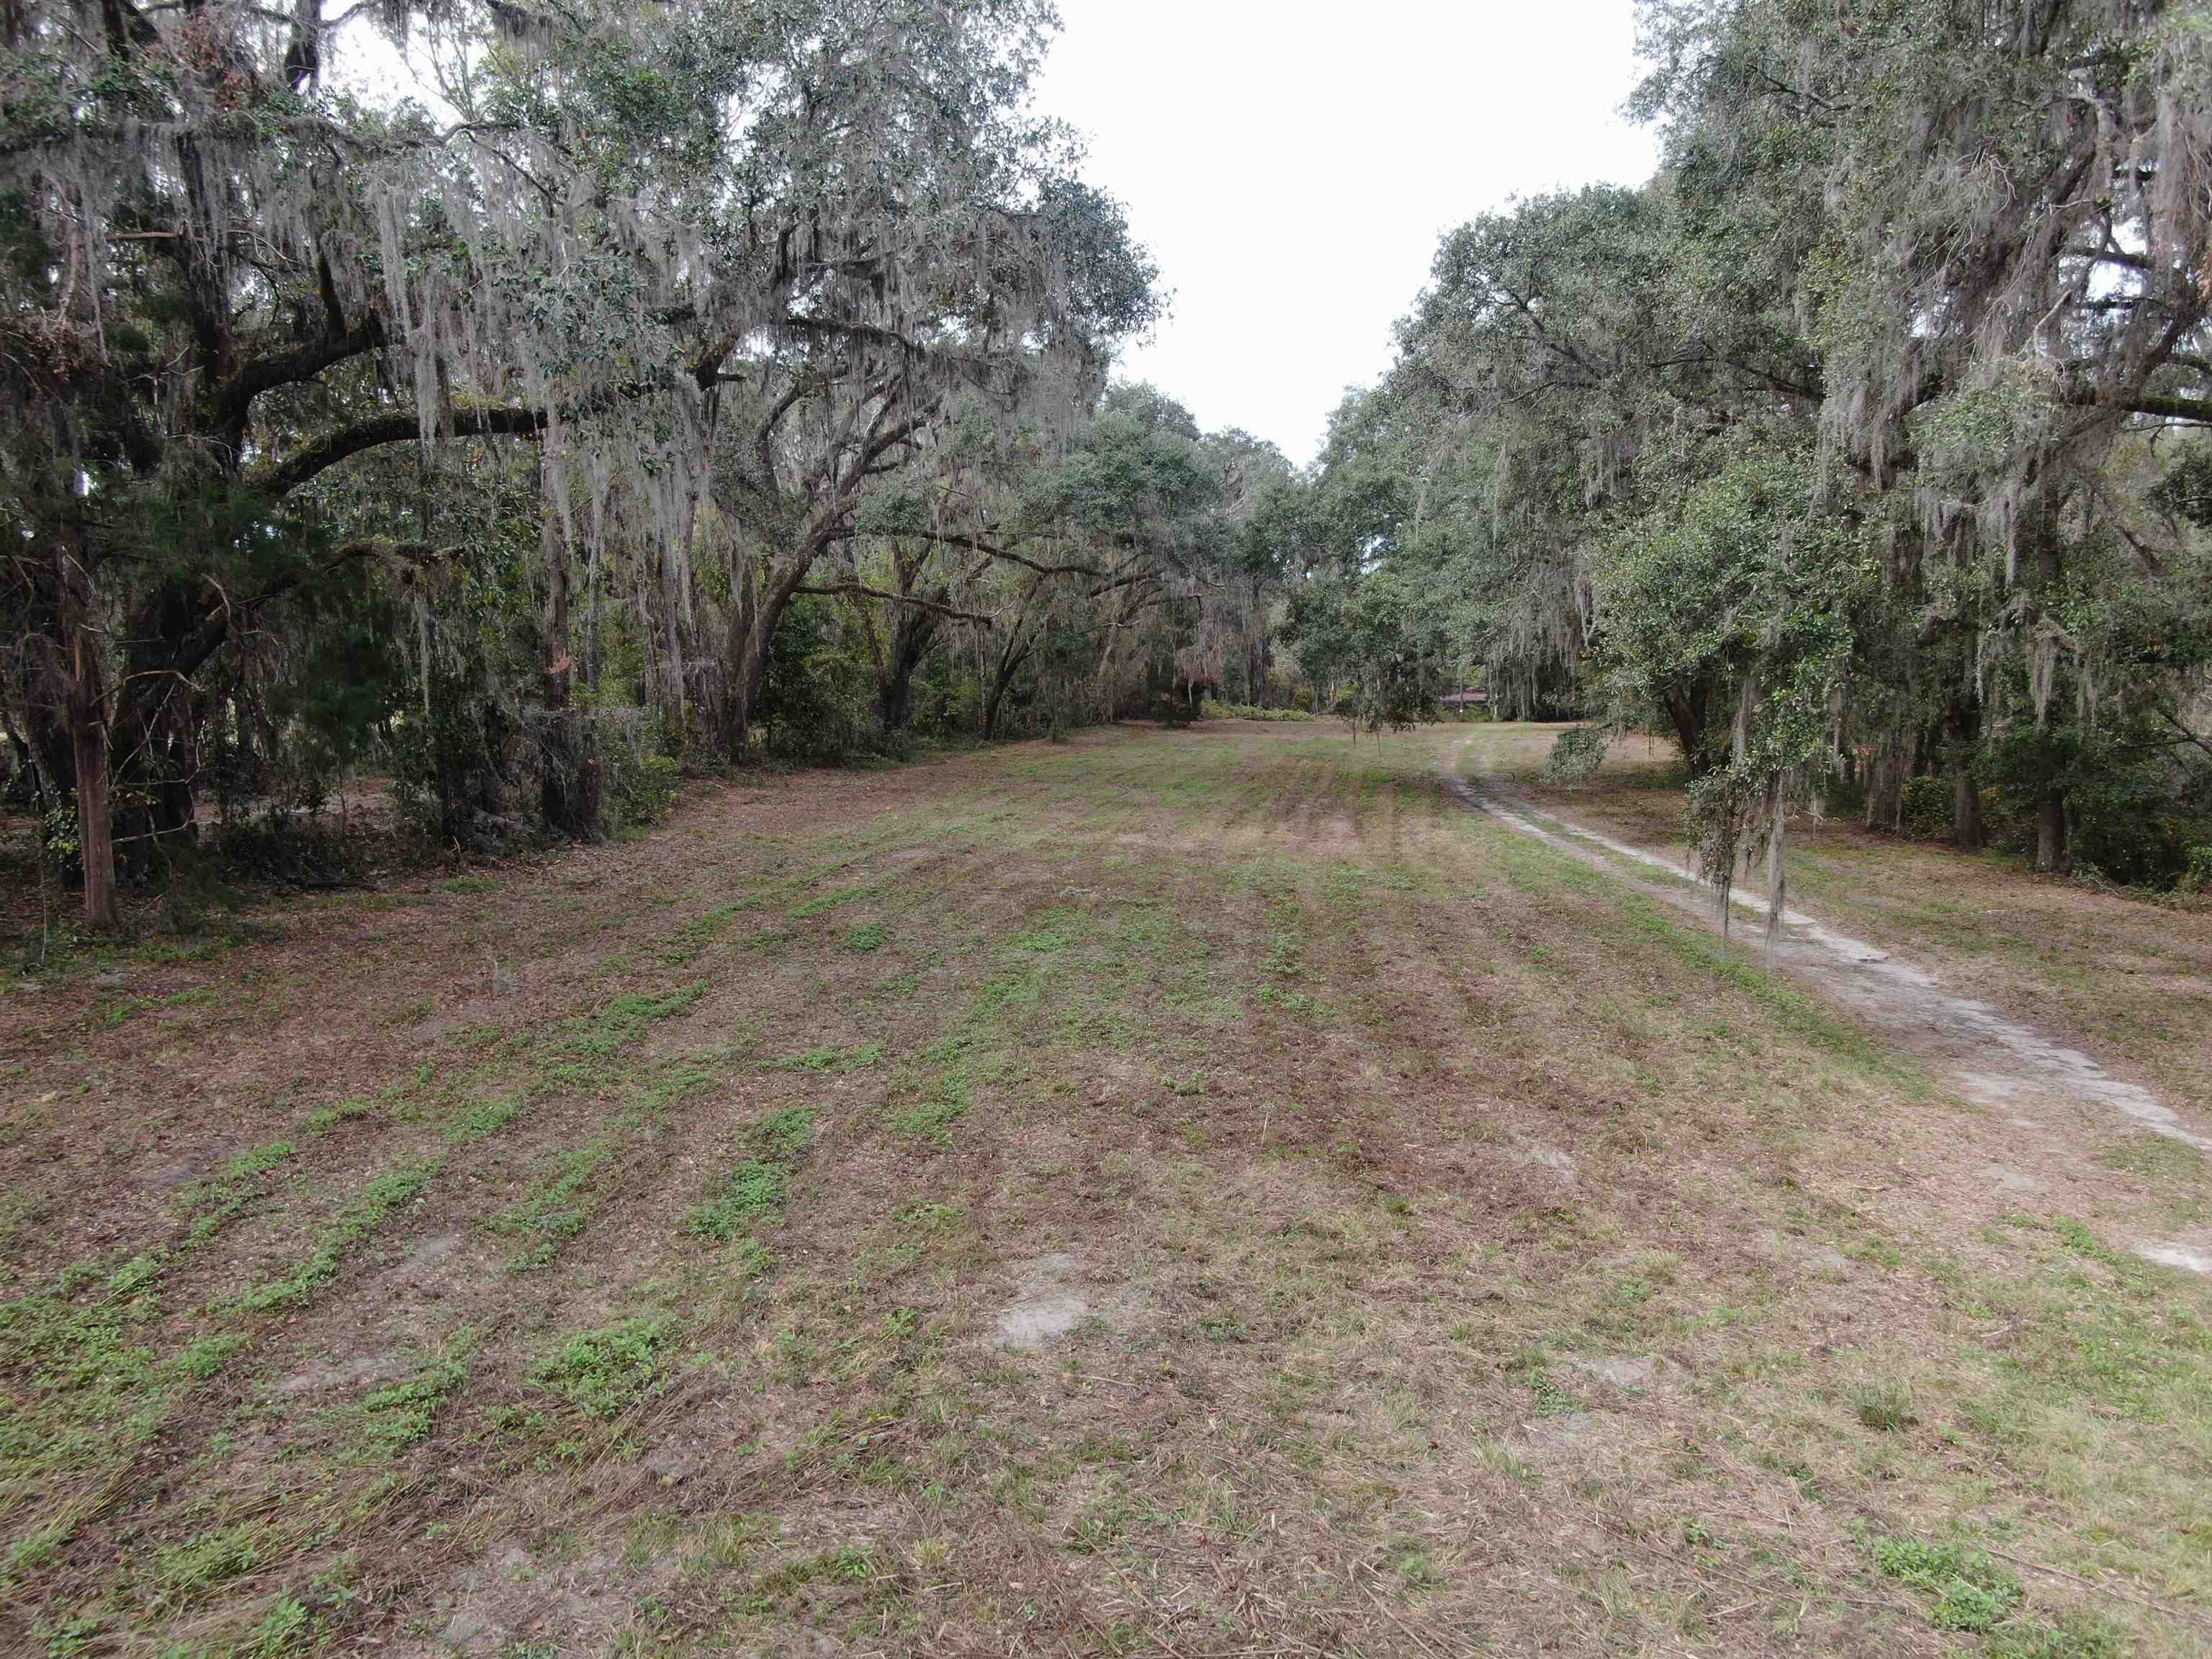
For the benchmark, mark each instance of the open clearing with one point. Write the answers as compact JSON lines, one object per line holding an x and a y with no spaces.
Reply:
{"x":1205,"y":1192}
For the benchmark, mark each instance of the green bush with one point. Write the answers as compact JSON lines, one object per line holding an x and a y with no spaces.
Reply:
{"x":818,"y":698}
{"x":1244,"y":711}
{"x":2135,"y":804}
{"x":57,"y":834}
{"x":1577,"y":754}
{"x":1927,"y":812}
{"x":641,"y":788}
{"x":2196,"y":872}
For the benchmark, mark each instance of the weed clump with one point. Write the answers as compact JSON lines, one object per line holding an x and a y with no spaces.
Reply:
{"x":1972,"y":1592}
{"x":756,"y":1186}
{"x":626,"y":1019}
{"x":488,"y":1118}
{"x":603,"y":1373}
{"x":404,"y":1415}
{"x":1884,"y":1404}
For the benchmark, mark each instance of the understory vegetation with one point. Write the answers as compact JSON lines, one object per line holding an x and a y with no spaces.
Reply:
{"x":567,"y":1087}
{"x":620,"y":395}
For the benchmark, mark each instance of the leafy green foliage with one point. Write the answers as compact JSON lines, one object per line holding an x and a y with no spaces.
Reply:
{"x":405,"y":1413}
{"x":1971,"y":1592}
{"x":1577,"y":754}
{"x":604,"y":1372}
{"x":1927,"y":806}
{"x":755,"y":1189}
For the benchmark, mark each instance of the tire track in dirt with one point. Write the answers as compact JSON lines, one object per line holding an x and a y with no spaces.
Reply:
{"x":1997,"y":1062}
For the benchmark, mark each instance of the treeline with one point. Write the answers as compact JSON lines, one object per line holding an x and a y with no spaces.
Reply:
{"x":1860,"y":452}
{"x":665,"y":386}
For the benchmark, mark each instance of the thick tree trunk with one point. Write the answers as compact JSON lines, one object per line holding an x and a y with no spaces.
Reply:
{"x":1968,"y":834}
{"x":2051,"y":832}
{"x":1962,"y":726}
{"x":1010,"y":662}
{"x":747,"y":665}
{"x":1686,"y":712}
{"x":910,"y":641}
{"x":568,"y":793}
{"x":87,"y":730}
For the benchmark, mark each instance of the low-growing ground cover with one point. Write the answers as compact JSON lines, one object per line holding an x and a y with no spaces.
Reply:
{"x":1192,"y":1193}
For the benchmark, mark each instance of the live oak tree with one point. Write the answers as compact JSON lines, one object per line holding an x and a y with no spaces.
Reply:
{"x":1837,"y":450}
{"x":721,"y":265}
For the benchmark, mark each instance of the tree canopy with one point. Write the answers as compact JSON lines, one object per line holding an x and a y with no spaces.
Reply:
{"x":617,"y":390}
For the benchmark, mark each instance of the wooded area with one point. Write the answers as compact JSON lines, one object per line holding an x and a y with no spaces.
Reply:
{"x":567,"y":1090}
{"x":724,"y":376}
{"x":1858,"y":451}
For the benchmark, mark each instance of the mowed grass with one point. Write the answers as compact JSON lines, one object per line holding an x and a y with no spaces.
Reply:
{"x":1200,"y":1193}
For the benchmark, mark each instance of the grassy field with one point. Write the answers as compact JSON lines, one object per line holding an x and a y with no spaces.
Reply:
{"x":1204,"y":1192}
{"x":2128,"y":980}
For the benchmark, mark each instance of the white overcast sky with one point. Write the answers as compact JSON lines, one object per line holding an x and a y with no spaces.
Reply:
{"x":1292,"y":164}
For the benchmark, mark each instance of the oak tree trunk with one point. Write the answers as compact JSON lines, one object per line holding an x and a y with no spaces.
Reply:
{"x":2051,"y":832}
{"x":568,"y":793}
{"x":87,"y":719}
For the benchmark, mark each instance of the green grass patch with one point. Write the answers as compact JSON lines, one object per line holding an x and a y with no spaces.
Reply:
{"x":816,"y":906}
{"x":603,"y":1373}
{"x":367,"y":1211}
{"x":557,"y":1207}
{"x":487,"y":1118}
{"x":206,"y":1356}
{"x":831,"y":1060}
{"x":624,"y":1020}
{"x":1791,"y":1008}
{"x":931,"y":1117}
{"x":259,"y":1160}
{"x":755,"y":1188}
{"x":404,"y":1415}
{"x":1971,"y":1592}
{"x":186,"y":1570}
{"x":325,"y":1119}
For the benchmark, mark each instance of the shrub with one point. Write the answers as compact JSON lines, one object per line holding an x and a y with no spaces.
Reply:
{"x":1215,"y":710}
{"x":817,"y":697}
{"x":2135,"y":804}
{"x":1927,"y":812}
{"x":2197,"y":871}
{"x":1576,"y":755}
{"x":641,"y":788}
{"x":58,"y":835}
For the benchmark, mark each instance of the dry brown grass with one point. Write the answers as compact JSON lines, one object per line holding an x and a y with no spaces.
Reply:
{"x":1475,"y":1256}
